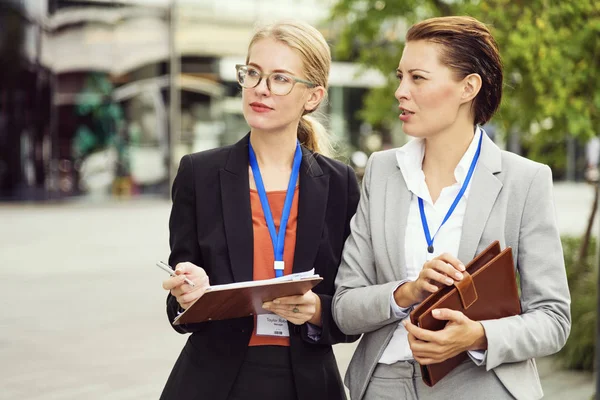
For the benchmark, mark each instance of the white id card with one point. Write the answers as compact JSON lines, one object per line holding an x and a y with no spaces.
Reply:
{"x":271,"y":325}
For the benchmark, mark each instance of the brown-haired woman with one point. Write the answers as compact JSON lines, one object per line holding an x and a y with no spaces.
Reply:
{"x":221,"y":231}
{"x":427,"y":209}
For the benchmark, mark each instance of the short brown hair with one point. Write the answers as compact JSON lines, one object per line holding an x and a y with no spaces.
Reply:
{"x":468,"y":47}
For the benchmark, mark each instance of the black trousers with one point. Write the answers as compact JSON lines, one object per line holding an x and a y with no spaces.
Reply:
{"x":266,"y":374}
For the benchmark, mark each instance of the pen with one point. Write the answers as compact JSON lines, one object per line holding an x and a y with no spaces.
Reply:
{"x":165,"y":267}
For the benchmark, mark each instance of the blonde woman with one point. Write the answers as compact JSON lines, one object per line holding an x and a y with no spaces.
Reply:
{"x":229,"y":207}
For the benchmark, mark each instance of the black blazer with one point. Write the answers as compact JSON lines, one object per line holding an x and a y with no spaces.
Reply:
{"x":211,"y":226}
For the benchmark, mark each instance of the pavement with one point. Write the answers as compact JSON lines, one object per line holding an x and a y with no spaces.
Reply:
{"x":83,"y":308}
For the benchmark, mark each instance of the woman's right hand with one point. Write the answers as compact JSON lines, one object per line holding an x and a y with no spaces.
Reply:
{"x":441,"y":271}
{"x":184,"y":293}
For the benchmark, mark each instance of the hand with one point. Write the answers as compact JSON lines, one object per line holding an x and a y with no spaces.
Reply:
{"x":442,"y":270}
{"x":460,"y":334}
{"x":308,"y":308}
{"x":184,"y":293}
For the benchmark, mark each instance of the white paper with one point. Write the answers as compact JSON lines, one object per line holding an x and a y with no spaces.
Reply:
{"x":286,"y":278}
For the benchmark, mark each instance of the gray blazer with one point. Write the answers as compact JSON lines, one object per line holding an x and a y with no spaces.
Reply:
{"x":511,"y":201}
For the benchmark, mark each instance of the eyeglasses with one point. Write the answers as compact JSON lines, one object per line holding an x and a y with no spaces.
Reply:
{"x":279,"y":83}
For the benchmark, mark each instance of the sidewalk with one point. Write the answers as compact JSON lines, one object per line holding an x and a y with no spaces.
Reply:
{"x":573,"y":206}
{"x":83,"y":308}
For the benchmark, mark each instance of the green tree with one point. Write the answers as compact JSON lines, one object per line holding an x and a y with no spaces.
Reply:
{"x":105,"y":121}
{"x":550,"y":50}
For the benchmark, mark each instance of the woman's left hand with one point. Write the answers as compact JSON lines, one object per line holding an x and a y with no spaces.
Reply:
{"x":459,"y":335}
{"x":297,"y":309}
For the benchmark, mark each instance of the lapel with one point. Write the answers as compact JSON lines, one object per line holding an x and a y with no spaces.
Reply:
{"x":396,"y":207}
{"x":312,"y":206}
{"x":237,"y":215}
{"x":484,"y":190}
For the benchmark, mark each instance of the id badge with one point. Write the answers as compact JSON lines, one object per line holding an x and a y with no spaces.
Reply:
{"x":271,"y":325}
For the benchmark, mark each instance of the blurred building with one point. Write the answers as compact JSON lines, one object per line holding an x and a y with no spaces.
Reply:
{"x":24,"y":98}
{"x":103,"y":97}
{"x":108,"y":95}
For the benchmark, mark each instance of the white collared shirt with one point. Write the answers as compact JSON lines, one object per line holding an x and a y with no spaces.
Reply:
{"x":446,"y":240}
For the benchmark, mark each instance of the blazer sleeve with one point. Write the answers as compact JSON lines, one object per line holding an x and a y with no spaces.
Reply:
{"x":182,"y":233}
{"x":330,"y":332}
{"x":543,"y":327}
{"x":360,"y":305}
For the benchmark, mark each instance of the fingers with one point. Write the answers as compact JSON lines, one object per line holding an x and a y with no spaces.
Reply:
{"x":430,"y":281}
{"x":307,"y":298}
{"x":430,"y":347}
{"x":193,"y":273}
{"x":430,"y":353}
{"x":289,"y":300}
{"x":186,"y":294}
{"x":453,"y":261}
{"x":442,"y":271}
{"x":173,"y":282}
{"x":191,"y":296}
{"x":434,"y":276}
{"x":447,"y":314}
{"x":184,"y":267}
{"x":422,"y":348}
{"x":426,"y":353}
{"x":420,"y":333}
{"x":449,"y":271}
{"x":423,"y":352}
{"x":188,"y":299}
{"x":199,"y":284}
{"x":295,"y":313}
{"x":297,"y":309}
{"x":427,"y":361}
{"x":178,"y":286}
{"x":296,"y":319}
{"x":183,"y":270}
{"x":289,"y":309}
{"x":190,"y":269}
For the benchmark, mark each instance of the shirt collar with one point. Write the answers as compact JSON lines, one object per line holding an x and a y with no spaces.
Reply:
{"x":461,"y":170}
{"x":410,"y":161}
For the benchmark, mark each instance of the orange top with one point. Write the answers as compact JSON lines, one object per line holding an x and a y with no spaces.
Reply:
{"x":264,"y":255}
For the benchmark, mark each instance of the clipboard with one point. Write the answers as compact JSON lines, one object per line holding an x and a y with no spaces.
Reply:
{"x":243,"y":299}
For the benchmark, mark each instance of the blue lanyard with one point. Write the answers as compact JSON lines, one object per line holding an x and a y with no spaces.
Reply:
{"x":278,"y":239}
{"x":454,"y":204}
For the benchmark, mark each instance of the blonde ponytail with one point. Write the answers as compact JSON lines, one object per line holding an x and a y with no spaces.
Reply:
{"x":313,"y":135}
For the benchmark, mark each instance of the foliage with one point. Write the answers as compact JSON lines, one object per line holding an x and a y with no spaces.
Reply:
{"x":550,"y":50}
{"x":579,"y":352}
{"x":103,"y":115}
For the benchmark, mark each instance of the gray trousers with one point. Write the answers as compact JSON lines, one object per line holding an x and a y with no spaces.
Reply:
{"x":402,"y":381}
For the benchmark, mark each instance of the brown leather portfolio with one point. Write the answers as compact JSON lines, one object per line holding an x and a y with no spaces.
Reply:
{"x":488,"y":290}
{"x":242,"y":300}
